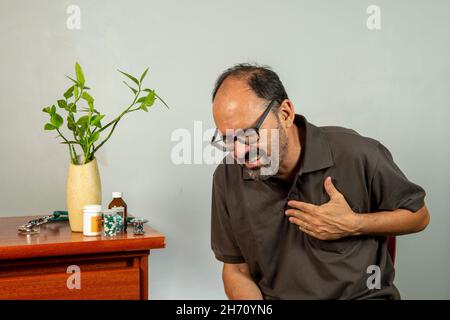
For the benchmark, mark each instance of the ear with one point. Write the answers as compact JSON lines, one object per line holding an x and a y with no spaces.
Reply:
{"x":286,"y":113}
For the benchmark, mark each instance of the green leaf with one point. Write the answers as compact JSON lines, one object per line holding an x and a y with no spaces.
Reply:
{"x":143,"y":107}
{"x":95,"y":111}
{"x":158,"y":97}
{"x":94,"y":137}
{"x":53,"y":110}
{"x":141,"y":99}
{"x":86,"y":96}
{"x":56,"y":120}
{"x":82,"y":121}
{"x":49,"y":126}
{"x":74,"y":81}
{"x":76,"y":91}
{"x":71,"y":122}
{"x":47,"y":110}
{"x":62,"y":104}
{"x":81,"y":131}
{"x":79,"y":73}
{"x":72,"y":107}
{"x":95,"y":121}
{"x":71,"y":126}
{"x":143,"y":75}
{"x":131,"y":88}
{"x":150,"y":98}
{"x":82,"y":125}
{"x":69,"y":93}
{"x":130,"y":77}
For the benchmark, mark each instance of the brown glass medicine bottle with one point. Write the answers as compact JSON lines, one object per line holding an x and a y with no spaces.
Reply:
{"x":117,"y":202}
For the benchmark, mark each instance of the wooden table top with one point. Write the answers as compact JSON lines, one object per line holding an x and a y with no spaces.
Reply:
{"x":56,"y":239}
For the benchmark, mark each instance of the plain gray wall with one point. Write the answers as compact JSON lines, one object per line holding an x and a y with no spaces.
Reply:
{"x":391,"y":84}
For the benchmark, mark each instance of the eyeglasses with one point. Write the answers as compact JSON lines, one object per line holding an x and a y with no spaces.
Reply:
{"x":249,"y":136}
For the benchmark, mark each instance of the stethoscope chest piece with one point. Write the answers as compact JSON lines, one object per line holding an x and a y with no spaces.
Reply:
{"x":25,"y":230}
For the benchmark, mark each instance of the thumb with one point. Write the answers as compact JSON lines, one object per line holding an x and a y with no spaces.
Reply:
{"x":331,"y":189}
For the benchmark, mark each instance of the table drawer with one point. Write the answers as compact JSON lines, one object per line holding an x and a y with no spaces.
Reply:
{"x":118,"y":283}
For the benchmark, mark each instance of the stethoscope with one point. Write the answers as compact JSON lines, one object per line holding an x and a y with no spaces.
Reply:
{"x":32,"y":226}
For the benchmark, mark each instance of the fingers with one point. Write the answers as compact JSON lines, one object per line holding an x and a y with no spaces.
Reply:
{"x":303,"y":206}
{"x":311,"y":233}
{"x":295,"y":213}
{"x":304,"y":226}
{"x":301,"y":223}
{"x":330,"y":188}
{"x":302,"y":219}
{"x":297,"y":221}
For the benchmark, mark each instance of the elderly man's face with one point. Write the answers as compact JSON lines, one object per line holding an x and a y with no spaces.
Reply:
{"x":237,"y":107}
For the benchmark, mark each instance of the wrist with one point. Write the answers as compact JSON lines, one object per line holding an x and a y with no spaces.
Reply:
{"x":358,"y":224}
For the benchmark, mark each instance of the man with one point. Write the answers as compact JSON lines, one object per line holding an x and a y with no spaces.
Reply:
{"x":318,"y":227}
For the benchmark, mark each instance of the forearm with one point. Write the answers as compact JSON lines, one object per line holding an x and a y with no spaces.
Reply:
{"x":392,"y":223}
{"x":240,"y":286}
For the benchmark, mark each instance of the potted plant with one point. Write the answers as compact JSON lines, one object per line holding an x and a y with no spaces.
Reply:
{"x":86,"y":135}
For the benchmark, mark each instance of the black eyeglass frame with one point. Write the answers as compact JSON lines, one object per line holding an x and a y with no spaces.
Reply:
{"x":256,"y":128}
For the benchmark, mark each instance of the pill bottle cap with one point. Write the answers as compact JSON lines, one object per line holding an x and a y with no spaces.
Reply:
{"x":117,"y":194}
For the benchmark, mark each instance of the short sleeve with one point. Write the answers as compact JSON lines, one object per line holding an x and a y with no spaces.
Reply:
{"x":223,"y":242}
{"x":391,"y":189}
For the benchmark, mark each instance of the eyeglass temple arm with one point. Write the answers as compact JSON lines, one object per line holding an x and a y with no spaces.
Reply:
{"x":264,"y":115}
{"x":213,"y":138}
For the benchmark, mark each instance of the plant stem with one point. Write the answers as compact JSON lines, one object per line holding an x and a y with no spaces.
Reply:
{"x":162,"y":100}
{"x":73,"y":148}
{"x":116,"y":121}
{"x":72,"y":151}
{"x":86,"y":152}
{"x":86,"y":157}
{"x":74,"y":154}
{"x":68,"y":143}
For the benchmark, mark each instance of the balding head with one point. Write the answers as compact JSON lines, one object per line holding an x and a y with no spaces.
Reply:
{"x":241,"y":92}
{"x":241,"y":95}
{"x":236,"y":106}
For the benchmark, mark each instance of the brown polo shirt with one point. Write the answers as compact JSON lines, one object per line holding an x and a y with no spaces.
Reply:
{"x":248,"y":223}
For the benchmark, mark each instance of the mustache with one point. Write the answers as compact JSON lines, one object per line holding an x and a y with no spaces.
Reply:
{"x":260,"y":154}
{"x":252,"y":156}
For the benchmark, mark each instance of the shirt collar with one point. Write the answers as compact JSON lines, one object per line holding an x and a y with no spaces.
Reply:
{"x":316,"y":150}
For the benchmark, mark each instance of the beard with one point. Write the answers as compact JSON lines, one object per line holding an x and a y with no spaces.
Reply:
{"x":266,"y":160}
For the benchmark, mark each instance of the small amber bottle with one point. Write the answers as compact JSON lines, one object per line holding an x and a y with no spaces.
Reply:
{"x":117,"y":202}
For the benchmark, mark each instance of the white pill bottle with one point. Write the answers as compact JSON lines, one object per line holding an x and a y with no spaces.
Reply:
{"x":92,"y":220}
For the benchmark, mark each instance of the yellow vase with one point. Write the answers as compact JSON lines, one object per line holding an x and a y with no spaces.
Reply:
{"x":83,"y":188}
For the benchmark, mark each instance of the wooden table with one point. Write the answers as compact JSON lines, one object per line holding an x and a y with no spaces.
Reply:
{"x":36,"y":266}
